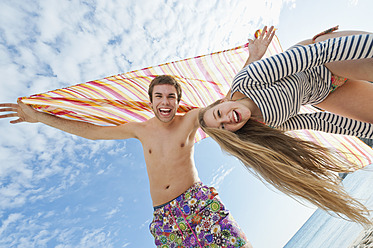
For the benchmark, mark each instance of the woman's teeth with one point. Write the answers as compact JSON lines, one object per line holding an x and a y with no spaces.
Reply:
{"x":235,"y":116}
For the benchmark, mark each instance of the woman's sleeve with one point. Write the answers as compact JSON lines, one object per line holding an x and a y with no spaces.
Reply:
{"x":329,"y":123}
{"x":301,"y":58}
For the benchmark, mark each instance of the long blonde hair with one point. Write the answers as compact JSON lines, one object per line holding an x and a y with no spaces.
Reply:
{"x":296,"y":167}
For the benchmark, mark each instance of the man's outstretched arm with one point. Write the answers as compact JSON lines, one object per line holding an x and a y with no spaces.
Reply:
{"x":26,"y":113}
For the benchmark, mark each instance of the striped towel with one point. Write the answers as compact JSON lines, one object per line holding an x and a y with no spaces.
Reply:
{"x":123,"y":98}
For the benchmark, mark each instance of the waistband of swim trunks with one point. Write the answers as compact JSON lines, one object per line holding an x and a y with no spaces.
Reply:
{"x":194,"y":187}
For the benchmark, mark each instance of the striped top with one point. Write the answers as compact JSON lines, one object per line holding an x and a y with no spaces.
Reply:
{"x":282,"y":83}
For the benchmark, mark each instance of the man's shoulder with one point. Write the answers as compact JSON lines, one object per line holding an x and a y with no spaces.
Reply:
{"x":133,"y":127}
{"x":190,"y":117}
{"x":191,"y":114}
{"x":145,"y":124}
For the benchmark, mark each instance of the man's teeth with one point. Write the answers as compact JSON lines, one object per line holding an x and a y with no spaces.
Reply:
{"x":165,"y":110}
{"x":235,"y":116}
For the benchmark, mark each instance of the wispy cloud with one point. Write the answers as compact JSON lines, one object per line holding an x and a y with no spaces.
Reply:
{"x":219,"y":175}
{"x":11,"y":219}
{"x":353,"y":2}
{"x":96,"y":238}
{"x":111,"y":213}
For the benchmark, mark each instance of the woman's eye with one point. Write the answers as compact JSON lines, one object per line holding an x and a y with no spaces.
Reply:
{"x":222,"y":126}
{"x":219,"y":113}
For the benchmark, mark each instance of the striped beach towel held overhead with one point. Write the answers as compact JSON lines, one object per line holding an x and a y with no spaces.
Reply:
{"x":204,"y":79}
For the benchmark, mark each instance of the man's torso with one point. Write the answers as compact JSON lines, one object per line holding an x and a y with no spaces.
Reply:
{"x":168,"y":151}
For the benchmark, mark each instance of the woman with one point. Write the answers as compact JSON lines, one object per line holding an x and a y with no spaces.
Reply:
{"x":265,"y":99}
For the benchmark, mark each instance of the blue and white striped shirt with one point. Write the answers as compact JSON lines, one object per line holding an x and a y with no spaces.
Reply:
{"x":282,"y":83}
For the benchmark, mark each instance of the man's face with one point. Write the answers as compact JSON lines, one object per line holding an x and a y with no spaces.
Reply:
{"x":165,"y":102}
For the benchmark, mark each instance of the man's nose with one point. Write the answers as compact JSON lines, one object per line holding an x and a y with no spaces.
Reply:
{"x":164,"y":100}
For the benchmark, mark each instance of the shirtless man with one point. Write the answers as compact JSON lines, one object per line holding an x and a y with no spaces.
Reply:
{"x":186,"y":212}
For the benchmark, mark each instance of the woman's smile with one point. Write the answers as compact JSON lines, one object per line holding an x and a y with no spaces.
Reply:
{"x":237,"y":116}
{"x":229,"y":115}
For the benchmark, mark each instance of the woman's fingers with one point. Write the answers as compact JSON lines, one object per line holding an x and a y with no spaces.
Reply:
{"x":264,"y":32}
{"x":271,"y":33}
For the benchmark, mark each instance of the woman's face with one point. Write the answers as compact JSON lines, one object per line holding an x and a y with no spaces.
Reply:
{"x":228,"y":115}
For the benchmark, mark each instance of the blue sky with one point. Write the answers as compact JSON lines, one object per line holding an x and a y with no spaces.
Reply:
{"x":58,"y":190}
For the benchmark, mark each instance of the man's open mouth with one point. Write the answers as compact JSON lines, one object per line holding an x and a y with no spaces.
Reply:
{"x":165,"y":110}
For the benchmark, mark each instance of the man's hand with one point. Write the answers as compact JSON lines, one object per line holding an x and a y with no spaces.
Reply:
{"x":24,"y":112}
{"x":259,"y":45}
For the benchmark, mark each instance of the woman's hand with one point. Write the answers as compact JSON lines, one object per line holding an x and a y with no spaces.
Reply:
{"x":259,"y":45}
{"x":24,"y":112}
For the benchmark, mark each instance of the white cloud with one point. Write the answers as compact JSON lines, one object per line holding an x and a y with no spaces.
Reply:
{"x":11,"y":219}
{"x":145,"y":224}
{"x":219,"y":175}
{"x":95,"y":238}
{"x":353,"y":2}
{"x":111,"y":213}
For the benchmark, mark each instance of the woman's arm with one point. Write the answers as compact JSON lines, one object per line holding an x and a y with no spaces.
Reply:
{"x":329,"y":34}
{"x":257,"y":48}
{"x":329,"y":123}
{"x":301,"y":58}
{"x":259,"y":45}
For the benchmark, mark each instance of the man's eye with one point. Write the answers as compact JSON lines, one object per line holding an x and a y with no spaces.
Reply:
{"x":219,"y":113}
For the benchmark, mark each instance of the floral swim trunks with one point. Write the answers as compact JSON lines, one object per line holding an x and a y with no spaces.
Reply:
{"x":197,"y":218}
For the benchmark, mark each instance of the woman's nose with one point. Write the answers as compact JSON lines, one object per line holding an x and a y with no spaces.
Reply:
{"x":225,"y":119}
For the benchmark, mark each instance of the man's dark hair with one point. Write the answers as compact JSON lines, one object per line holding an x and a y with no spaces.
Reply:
{"x":164,"y":79}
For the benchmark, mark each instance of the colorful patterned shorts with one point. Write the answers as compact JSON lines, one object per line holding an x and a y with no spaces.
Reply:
{"x":197,"y":218}
{"x":337,"y":82}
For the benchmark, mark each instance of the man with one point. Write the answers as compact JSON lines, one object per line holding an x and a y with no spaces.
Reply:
{"x":186,"y":213}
